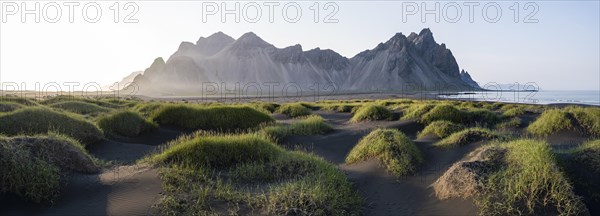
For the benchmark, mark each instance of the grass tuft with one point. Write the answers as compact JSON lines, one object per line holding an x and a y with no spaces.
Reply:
{"x":250,"y":175}
{"x":39,"y":120}
{"x":25,"y":175}
{"x":530,"y":183}
{"x":588,"y":118}
{"x":392,"y":148}
{"x":293,"y":110}
{"x":551,"y":121}
{"x":20,"y":100}
{"x":588,"y":155}
{"x":219,"y":118}
{"x":515,"y":111}
{"x":217,"y":151}
{"x":443,"y":112}
{"x":9,"y":106}
{"x":126,"y":123}
{"x":80,"y":107}
{"x":467,"y":136}
{"x":371,"y":112}
{"x":441,"y":129}
{"x":415,"y":111}
{"x":310,"y":125}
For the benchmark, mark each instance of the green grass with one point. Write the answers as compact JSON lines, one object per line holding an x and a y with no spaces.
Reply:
{"x":62,"y":151}
{"x":264,"y":106}
{"x":25,"y":175}
{"x":443,"y":112}
{"x":20,"y":100}
{"x":79,"y":107}
{"x":293,"y":110}
{"x":588,"y":118}
{"x":513,"y":122}
{"x":39,"y":120}
{"x":588,"y":155}
{"x":551,"y":121}
{"x":530,"y":183}
{"x":275,"y":133}
{"x":396,"y":152}
{"x":415,"y":111}
{"x":441,"y":129}
{"x":9,"y":106}
{"x":467,"y":136}
{"x":218,"y":151}
{"x":514,"y":111}
{"x":126,"y":123}
{"x":342,"y":108}
{"x":220,"y":118}
{"x":247,"y":174}
{"x":310,"y":125}
{"x":481,"y":117}
{"x":66,"y":98}
{"x":371,"y":112}
{"x":148,"y":109}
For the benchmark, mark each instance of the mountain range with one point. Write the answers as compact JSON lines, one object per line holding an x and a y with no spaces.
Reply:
{"x":251,"y":64}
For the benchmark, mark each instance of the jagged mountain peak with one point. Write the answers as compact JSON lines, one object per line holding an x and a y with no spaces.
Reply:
{"x":466,"y":77}
{"x":158,"y":62}
{"x":216,"y":37}
{"x":415,"y":59}
{"x":250,"y":40}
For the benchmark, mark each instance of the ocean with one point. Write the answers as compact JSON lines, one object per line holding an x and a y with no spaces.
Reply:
{"x":589,"y":97}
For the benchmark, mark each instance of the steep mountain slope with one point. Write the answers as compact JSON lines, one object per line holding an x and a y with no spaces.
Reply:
{"x":466,"y":77}
{"x":252,"y":65}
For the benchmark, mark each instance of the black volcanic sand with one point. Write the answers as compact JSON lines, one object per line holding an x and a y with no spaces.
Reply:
{"x":129,"y":189}
{"x":126,"y":189}
{"x":385,"y":194}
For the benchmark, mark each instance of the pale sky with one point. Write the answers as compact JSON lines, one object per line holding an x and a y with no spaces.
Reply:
{"x":559,"y":52}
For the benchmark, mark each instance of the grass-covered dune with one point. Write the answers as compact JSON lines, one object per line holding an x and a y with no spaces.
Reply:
{"x":148,"y":109}
{"x":588,"y":155}
{"x":39,"y":120}
{"x":396,"y":152}
{"x":583,"y":119}
{"x":220,"y":118}
{"x":467,"y":136}
{"x":342,"y":108}
{"x":371,"y":112}
{"x":582,"y":164}
{"x":80,"y":107}
{"x":529,"y":183}
{"x":126,"y":123}
{"x":551,"y":121}
{"x":441,"y":129}
{"x":415,"y":111}
{"x":249,"y":174}
{"x":9,"y":106}
{"x":519,"y":177}
{"x":31,"y":166}
{"x":293,"y":110}
{"x":308,"y":125}
{"x":20,"y":100}
{"x":104,"y":102}
{"x":451,"y":113}
{"x":588,"y":118}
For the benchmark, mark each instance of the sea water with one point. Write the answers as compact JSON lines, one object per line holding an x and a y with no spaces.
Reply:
{"x":589,"y":97}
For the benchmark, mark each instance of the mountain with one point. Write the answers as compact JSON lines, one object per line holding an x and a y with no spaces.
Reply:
{"x":126,"y":81}
{"x":466,"y":77}
{"x":219,"y":63}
